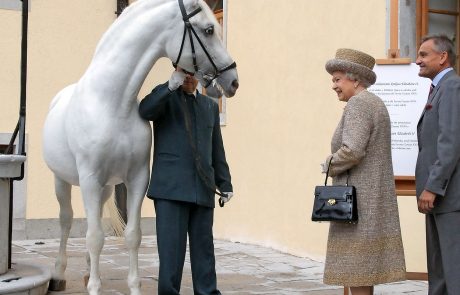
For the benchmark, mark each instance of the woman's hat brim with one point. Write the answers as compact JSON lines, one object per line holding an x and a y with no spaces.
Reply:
{"x":364,"y":72}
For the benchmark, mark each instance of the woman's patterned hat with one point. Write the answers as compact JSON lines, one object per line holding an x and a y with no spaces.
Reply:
{"x":353,"y":61}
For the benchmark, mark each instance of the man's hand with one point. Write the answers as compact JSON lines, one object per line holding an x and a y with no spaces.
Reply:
{"x":229,"y":195}
{"x":426,"y":202}
{"x":176,"y":80}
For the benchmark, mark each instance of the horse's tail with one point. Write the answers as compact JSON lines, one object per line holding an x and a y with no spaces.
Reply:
{"x":116,"y":221}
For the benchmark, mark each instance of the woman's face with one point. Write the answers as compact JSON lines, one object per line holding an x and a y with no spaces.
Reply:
{"x":344,"y":87}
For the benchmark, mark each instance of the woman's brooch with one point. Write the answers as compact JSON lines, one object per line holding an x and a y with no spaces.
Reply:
{"x":428,"y":106}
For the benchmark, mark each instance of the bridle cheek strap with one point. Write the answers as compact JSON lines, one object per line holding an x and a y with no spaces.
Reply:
{"x":187,"y":26}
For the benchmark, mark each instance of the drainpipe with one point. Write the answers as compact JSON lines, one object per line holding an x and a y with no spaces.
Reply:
{"x":121,"y":5}
{"x":21,"y":125}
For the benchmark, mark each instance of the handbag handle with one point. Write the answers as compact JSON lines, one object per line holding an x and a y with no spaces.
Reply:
{"x":327,"y":173}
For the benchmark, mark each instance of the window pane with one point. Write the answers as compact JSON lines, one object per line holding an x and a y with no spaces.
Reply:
{"x":443,"y":4}
{"x":215,"y":4}
{"x":442,"y":24}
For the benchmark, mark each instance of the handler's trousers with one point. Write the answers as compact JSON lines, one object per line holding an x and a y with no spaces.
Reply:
{"x":174,"y":220}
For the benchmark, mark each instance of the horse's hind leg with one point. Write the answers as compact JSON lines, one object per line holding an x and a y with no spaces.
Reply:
{"x":63,"y":194}
{"x":92,"y":196}
{"x":106,"y":193}
{"x":136,"y":192}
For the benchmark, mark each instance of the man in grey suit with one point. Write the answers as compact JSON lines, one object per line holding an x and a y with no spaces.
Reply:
{"x":188,"y":160}
{"x":438,"y":164}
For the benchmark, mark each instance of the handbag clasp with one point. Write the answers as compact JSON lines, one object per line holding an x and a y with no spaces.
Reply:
{"x":331,"y":202}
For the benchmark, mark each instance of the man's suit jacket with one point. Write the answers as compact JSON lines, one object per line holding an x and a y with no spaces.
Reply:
{"x":438,"y":133}
{"x":174,"y":175}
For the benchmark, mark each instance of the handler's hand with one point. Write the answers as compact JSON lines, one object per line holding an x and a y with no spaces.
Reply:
{"x":229,"y":195}
{"x":176,"y":80}
{"x":426,"y":202}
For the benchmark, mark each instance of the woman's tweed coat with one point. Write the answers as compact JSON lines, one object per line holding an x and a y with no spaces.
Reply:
{"x":371,"y":251}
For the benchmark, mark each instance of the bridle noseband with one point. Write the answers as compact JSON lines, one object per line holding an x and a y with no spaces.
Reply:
{"x":188,"y":27}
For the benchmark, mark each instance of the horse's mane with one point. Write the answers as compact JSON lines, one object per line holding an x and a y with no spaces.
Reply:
{"x":130,"y":15}
{"x":140,"y":3}
{"x":134,"y":10}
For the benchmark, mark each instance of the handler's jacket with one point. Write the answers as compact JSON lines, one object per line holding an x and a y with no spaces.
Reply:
{"x":174,"y":175}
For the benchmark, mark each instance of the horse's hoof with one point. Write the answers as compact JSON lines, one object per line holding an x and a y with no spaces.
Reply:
{"x":85,"y":280}
{"x":57,"y":285}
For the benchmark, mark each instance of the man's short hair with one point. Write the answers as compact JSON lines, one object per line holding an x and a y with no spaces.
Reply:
{"x":442,"y":43}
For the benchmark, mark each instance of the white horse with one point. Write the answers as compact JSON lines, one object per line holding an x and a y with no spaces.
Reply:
{"x":93,"y":136}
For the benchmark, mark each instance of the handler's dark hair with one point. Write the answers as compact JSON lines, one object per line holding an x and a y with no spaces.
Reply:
{"x":442,"y":43}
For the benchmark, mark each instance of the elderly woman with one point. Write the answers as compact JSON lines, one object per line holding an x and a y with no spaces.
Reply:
{"x":369,"y":252}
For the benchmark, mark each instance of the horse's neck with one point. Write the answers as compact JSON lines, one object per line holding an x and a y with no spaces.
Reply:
{"x":129,"y":49}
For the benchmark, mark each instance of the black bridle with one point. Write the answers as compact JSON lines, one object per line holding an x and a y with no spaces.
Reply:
{"x":188,"y":27}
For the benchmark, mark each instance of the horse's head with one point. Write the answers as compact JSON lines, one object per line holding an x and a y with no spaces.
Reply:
{"x":196,"y":46}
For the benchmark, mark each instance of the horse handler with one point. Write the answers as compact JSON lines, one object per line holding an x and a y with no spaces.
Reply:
{"x":188,"y":162}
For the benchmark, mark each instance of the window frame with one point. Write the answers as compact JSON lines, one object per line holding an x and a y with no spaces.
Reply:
{"x":405,"y":185}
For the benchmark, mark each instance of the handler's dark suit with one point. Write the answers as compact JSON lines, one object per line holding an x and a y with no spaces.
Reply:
{"x":438,"y":171}
{"x":183,"y":203}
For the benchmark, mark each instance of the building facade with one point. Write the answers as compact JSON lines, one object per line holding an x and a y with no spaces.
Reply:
{"x":277,"y":128}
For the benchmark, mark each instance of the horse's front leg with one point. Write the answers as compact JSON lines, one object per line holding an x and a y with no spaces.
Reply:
{"x":135,"y":194}
{"x":92,"y":196}
{"x":63,"y":194}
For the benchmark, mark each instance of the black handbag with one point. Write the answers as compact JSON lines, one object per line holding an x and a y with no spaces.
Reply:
{"x":335,"y":202}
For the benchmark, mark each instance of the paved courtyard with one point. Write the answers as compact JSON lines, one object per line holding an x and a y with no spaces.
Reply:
{"x":241,"y":269}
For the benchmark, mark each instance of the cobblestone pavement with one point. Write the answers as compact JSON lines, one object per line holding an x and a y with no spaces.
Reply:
{"x":241,"y":269}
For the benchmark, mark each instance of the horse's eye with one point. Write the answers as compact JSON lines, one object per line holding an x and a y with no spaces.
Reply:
{"x":209,"y":30}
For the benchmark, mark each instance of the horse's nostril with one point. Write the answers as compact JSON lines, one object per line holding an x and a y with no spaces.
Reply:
{"x":235,"y":84}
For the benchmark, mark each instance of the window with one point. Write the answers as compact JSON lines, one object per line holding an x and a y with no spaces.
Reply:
{"x":417,"y":19}
{"x":215,"y":5}
{"x":439,"y":17}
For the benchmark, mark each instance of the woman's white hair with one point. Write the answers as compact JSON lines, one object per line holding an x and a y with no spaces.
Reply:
{"x":356,"y":77}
